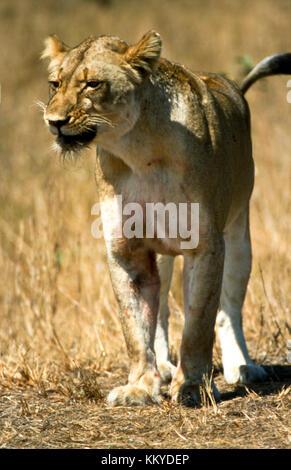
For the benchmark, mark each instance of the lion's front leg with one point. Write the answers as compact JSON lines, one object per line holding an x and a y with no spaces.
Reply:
{"x":136,"y":284}
{"x":202,"y":285}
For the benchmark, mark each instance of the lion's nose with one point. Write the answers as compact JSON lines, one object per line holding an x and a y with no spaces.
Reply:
{"x":58,"y":123}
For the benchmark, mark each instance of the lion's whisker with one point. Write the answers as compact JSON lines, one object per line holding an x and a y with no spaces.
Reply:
{"x":40,"y":104}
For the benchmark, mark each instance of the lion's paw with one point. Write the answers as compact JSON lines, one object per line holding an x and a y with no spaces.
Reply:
{"x":245,"y":374}
{"x":131,"y":395}
{"x":190,"y":394}
{"x":252,"y":373}
{"x":193,"y":392}
{"x":167,"y":371}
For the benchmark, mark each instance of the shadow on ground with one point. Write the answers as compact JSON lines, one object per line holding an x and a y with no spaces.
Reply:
{"x":278,"y":377}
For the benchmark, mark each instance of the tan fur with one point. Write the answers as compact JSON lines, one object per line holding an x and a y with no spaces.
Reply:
{"x":164,"y":134}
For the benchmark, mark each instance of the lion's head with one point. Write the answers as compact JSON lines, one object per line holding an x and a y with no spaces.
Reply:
{"x":93,"y":87}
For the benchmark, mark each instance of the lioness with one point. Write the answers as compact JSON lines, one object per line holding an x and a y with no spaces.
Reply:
{"x":165,"y":135}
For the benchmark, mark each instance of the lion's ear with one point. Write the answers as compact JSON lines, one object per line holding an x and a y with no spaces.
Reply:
{"x":54,"y":48}
{"x":144,"y":55}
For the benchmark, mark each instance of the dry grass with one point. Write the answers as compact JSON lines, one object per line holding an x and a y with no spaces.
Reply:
{"x":61,"y":347}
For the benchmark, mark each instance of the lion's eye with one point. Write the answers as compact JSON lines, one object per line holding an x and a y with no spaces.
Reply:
{"x":94,"y":84}
{"x":54,"y":85}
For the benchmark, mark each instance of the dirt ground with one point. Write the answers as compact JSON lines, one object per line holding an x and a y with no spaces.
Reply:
{"x":61,"y":346}
{"x":74,"y":414}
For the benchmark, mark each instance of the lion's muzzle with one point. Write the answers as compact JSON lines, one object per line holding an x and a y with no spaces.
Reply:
{"x":55,"y":126}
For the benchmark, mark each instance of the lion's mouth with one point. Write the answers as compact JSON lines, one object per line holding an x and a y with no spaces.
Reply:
{"x":75,"y":142}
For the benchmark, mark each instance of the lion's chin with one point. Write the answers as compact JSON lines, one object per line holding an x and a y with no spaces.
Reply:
{"x":71,"y":144}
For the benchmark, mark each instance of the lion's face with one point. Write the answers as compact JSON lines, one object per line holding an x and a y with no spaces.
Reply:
{"x":93,"y":87}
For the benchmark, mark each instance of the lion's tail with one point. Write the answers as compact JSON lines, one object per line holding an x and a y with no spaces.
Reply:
{"x":279,"y":64}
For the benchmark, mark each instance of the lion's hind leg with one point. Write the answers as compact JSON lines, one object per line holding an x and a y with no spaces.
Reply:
{"x":166,"y":368}
{"x":237,"y":365}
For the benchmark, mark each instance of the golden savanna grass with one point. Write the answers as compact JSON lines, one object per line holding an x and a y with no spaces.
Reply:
{"x":61,"y":346}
